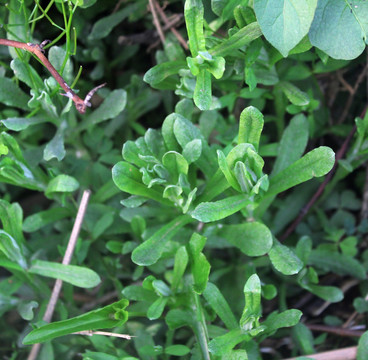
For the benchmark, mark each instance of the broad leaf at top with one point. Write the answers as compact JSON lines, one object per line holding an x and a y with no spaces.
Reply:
{"x":284,"y":23}
{"x":340,"y":28}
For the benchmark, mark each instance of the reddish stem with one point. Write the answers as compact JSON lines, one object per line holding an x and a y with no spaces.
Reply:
{"x":37,"y":50}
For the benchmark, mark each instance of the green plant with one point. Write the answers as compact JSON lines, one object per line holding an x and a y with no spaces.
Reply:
{"x":196,"y":234}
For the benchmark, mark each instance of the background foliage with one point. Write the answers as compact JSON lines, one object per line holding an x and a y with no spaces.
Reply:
{"x":199,"y":161}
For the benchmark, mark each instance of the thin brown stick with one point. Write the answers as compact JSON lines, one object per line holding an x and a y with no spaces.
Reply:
{"x":37,"y":50}
{"x":349,"y":353}
{"x":352,"y":91}
{"x":173,"y":30}
{"x":335,"y":330}
{"x":66,"y":260}
{"x":147,"y":36}
{"x":156,"y":22}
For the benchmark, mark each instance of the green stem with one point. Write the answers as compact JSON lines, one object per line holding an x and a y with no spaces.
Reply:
{"x":200,"y":327}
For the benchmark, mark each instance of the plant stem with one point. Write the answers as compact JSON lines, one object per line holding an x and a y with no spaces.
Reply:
{"x":37,"y":50}
{"x":66,"y":260}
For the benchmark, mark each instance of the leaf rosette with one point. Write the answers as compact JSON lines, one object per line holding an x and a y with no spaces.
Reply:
{"x":242,"y":168}
{"x":161,"y":174}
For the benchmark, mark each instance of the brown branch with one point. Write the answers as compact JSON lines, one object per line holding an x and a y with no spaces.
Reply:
{"x":38,"y":51}
{"x":66,"y":260}
{"x":352,"y":91}
{"x":349,"y":353}
{"x":156,"y":21}
{"x":335,"y":330}
{"x":174,"y":31}
{"x":147,"y":36}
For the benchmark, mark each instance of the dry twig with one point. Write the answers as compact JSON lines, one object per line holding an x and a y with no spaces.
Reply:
{"x":173,"y":30}
{"x":156,"y":22}
{"x":341,"y":354}
{"x":38,"y":51}
{"x":104,"y":333}
{"x":66,"y":260}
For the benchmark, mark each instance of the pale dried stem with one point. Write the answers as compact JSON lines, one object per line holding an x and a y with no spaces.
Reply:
{"x":173,"y":30}
{"x":156,"y":22}
{"x":66,"y":260}
{"x":349,"y":353}
{"x":104,"y":333}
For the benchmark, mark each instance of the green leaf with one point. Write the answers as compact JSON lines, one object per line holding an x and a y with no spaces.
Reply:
{"x":241,"y":38}
{"x":193,"y":13}
{"x":327,"y":293}
{"x":225,"y":168}
{"x":151,"y":250}
{"x":185,"y":132}
{"x":109,"y":316}
{"x":213,"y":211}
{"x":223,"y":344}
{"x":62,"y":184}
{"x":252,"y":308}
{"x":177,"y":318}
{"x":156,"y":309}
{"x":284,"y":23}
{"x":112,"y":106}
{"x":294,"y":94}
{"x":200,"y":265}
{"x":176,"y":164}
{"x":202,"y":93}
{"x":26,"y":73}
{"x":11,"y":249}
{"x":160,"y":72}
{"x":284,"y":260}
{"x":316,"y":163}
{"x":25,"y":309}
{"x":192,"y":150}
{"x":11,"y":95}
{"x":128,"y":178}
{"x":37,"y":221}
{"x":18,"y":124}
{"x":55,"y":148}
{"x":104,"y":26}
{"x":293,"y":142}
{"x":250,"y":126}
{"x":252,"y":238}
{"x":102,"y":224}
{"x":345,"y":38}
{"x":72,"y":274}
{"x":180,"y":264}
{"x":362,"y":352}
{"x":303,"y":338}
{"x":56,"y":56}
{"x":285,"y":319}
{"x":338,"y":263}
{"x":138,"y":293}
{"x":219,"y":304}
{"x":11,"y":216}
{"x":177,"y":350}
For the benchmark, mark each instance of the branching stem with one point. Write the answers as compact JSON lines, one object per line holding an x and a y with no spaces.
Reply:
{"x":37,"y":50}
